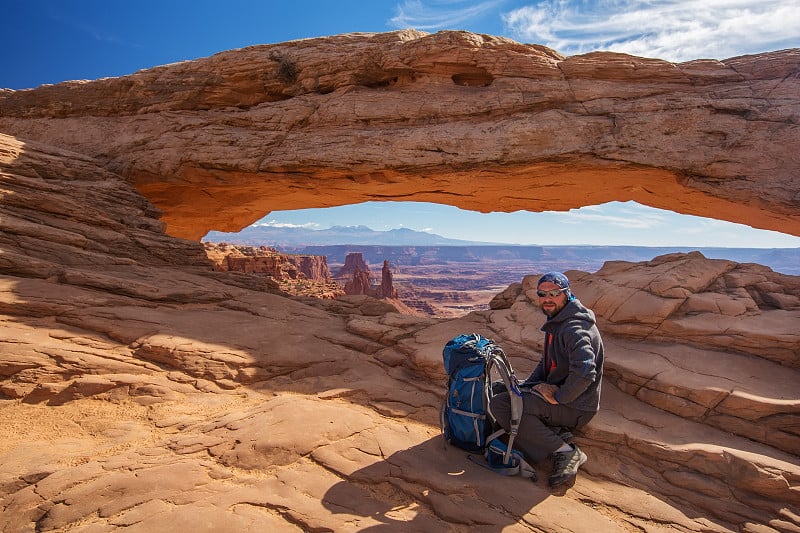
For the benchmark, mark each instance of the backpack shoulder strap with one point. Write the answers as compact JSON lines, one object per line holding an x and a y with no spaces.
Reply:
{"x":497,"y":360}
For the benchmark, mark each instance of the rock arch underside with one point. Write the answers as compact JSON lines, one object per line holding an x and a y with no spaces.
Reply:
{"x":140,"y":389}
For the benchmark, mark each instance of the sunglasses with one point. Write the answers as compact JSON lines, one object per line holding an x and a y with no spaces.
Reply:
{"x":552,"y":293}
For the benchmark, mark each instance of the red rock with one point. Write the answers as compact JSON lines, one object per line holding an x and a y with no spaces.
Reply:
{"x":140,"y":387}
{"x":218,"y":142}
{"x":352,"y":262}
{"x":360,"y":284}
{"x":386,"y":288}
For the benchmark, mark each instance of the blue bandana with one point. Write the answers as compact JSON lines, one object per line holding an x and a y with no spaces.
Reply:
{"x":559,"y":279}
{"x":555,"y":277}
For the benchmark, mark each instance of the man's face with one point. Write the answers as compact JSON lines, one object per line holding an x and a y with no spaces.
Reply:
{"x":551,"y":305}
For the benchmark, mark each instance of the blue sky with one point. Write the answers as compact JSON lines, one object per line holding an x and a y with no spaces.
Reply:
{"x":49,"y":41}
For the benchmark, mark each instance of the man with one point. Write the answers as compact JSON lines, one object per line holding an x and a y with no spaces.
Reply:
{"x":564,"y":389}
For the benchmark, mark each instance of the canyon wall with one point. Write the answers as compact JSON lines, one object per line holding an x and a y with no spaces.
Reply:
{"x":295,"y":274}
{"x":266,"y":260}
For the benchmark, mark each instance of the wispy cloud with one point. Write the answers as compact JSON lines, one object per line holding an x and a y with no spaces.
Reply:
{"x":676,"y":30}
{"x":276,"y":224}
{"x":628,"y":215}
{"x":439,"y":14}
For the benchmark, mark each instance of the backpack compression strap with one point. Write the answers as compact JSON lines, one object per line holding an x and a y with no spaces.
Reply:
{"x":496,"y":359}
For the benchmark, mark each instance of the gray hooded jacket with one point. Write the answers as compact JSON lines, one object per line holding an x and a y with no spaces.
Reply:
{"x":574,"y":357}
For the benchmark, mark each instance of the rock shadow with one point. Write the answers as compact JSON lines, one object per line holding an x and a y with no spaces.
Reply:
{"x":435,"y":487}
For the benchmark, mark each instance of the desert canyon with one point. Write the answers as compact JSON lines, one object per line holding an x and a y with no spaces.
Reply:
{"x":141,"y":389}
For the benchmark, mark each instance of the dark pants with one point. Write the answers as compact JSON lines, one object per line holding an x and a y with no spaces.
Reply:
{"x":538,"y":437}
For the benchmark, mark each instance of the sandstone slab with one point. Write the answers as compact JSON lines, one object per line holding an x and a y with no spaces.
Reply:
{"x":142,"y":390}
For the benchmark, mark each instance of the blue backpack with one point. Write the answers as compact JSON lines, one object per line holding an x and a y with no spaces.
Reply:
{"x":471,"y":361}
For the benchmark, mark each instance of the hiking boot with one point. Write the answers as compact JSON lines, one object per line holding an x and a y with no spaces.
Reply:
{"x":565,"y":466}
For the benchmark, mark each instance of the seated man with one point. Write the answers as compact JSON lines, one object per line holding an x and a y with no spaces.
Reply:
{"x":564,"y":389}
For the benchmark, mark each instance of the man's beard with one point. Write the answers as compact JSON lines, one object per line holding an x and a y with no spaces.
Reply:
{"x":556,"y":308}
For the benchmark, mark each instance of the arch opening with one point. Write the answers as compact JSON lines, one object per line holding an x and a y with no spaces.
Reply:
{"x":447,"y":261}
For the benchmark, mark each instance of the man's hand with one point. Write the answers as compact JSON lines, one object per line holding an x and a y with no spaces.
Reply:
{"x":548,"y":392}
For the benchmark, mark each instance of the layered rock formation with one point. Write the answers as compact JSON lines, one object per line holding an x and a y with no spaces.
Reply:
{"x":361,"y":282}
{"x":298,"y":275}
{"x":480,"y":122}
{"x":353,"y":261}
{"x":266,"y":260}
{"x":719,"y":312}
{"x":142,"y":389}
{"x":386,"y":289}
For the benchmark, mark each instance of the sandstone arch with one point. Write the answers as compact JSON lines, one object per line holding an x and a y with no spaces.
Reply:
{"x":475,"y":121}
{"x":126,"y":361}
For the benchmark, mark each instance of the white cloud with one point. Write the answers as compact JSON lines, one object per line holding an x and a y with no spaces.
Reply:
{"x":629,"y":222}
{"x":439,"y":14}
{"x":629,"y":215}
{"x":276,"y":224}
{"x":674,"y":30}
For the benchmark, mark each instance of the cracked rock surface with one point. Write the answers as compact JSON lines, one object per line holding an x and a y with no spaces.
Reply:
{"x":140,"y":390}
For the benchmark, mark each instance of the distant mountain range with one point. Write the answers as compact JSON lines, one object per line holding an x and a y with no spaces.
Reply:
{"x":294,"y":237}
{"x":405,"y":246}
